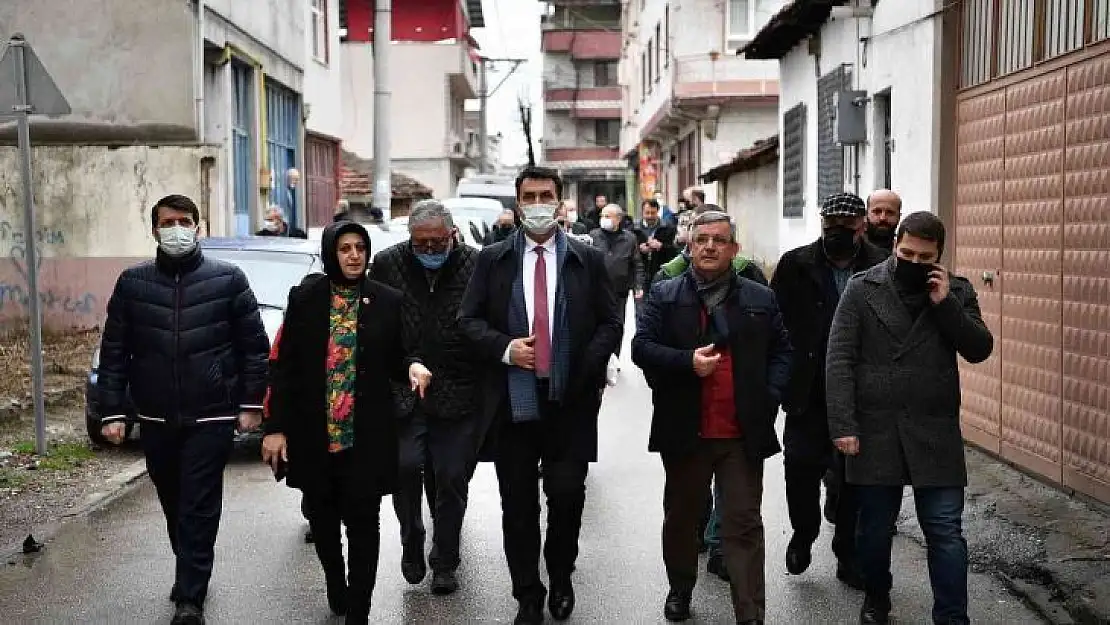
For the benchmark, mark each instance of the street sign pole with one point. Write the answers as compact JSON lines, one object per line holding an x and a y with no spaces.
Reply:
{"x":23,"y":76}
{"x":22,"y":112}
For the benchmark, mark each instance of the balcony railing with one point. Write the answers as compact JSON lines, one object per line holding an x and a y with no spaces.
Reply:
{"x":573,"y":22}
{"x":724,"y":75}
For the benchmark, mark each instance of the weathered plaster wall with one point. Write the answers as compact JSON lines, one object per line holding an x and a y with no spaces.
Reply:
{"x":93,"y":219}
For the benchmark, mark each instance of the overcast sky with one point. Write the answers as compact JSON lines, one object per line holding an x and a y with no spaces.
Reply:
{"x":513,"y":31}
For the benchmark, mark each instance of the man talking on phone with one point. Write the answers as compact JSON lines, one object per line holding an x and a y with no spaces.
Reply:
{"x":715,"y":353}
{"x":893,"y":391}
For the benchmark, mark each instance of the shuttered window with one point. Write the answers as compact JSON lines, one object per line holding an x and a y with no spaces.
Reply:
{"x":793,"y":161}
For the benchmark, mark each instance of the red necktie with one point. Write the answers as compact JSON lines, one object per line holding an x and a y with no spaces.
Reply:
{"x":539,"y":317}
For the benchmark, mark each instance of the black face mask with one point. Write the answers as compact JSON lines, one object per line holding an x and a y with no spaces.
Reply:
{"x":839,"y":242}
{"x":912,"y":277}
{"x":882,"y":236}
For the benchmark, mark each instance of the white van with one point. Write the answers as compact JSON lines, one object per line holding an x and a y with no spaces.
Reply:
{"x":500,"y":188}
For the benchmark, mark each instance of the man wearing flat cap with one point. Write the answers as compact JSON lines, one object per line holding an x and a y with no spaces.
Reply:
{"x":808,"y":282}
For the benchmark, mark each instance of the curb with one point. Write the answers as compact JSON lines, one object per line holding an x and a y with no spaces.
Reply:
{"x":112,"y":489}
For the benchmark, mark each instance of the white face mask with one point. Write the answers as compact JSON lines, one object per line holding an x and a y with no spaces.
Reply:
{"x":607,"y":223}
{"x":539,"y":219}
{"x":271,"y":225}
{"x":177,"y":241}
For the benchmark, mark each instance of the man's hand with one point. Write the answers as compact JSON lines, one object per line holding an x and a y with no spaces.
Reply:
{"x":645,"y":248}
{"x":273,"y":450}
{"x":638,"y":294}
{"x":847,"y":445}
{"x":655,"y":245}
{"x":249,"y":420}
{"x":705,"y":361}
{"x":419,"y":378}
{"x":938,"y":284}
{"x":522,"y":353}
{"x":114,"y":432}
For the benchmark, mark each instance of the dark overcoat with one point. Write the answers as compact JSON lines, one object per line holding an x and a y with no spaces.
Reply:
{"x":894,"y":382}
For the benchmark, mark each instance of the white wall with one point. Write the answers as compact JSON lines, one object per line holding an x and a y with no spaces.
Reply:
{"x":752,"y":201}
{"x":323,"y":82}
{"x":278,"y":24}
{"x":903,"y":58}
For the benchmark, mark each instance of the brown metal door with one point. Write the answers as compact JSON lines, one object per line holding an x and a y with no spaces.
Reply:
{"x":321,"y":173}
{"x":1032,"y":307}
{"x":1086,"y":279}
{"x":980,"y":136}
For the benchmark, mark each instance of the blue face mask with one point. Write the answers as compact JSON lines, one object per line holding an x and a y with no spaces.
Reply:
{"x":432,"y":261}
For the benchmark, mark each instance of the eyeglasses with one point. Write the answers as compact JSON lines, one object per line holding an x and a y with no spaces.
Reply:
{"x":431,"y":246}
{"x":705,"y":239}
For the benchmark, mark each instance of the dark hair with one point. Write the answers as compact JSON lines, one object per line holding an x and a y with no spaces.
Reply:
{"x":698,"y":193}
{"x":652,"y":202}
{"x":177,"y":203}
{"x":714,"y":216}
{"x":535,"y":172}
{"x":705,"y":208}
{"x":923,"y":225}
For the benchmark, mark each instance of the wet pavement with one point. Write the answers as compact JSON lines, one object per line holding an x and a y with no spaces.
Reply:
{"x":115,"y":566}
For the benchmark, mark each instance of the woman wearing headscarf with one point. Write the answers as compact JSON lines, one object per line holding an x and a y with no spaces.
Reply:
{"x":330,"y":427}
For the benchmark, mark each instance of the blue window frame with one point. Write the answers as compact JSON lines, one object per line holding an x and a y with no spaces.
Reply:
{"x":283,"y":134}
{"x":242,"y":155}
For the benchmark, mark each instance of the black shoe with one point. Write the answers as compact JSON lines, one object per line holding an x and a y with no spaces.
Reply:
{"x":716,"y":565}
{"x":413,"y":566}
{"x":798,"y":558}
{"x":337,"y":592}
{"x":677,"y":607}
{"x":875,"y":611}
{"x":444,"y":582}
{"x":752,"y":621}
{"x":561,"y":601}
{"x":830,"y":509}
{"x":187,"y":614}
{"x":173,"y":593}
{"x":529,"y":613}
{"x":849,"y":575}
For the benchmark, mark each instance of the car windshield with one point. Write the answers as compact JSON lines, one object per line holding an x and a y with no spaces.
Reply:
{"x":271,"y":274}
{"x":480,"y":212}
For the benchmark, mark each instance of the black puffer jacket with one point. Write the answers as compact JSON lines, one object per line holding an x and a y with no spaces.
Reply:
{"x":429,"y":312}
{"x":186,"y":337}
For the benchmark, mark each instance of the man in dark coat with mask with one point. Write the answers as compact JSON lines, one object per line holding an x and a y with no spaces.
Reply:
{"x":807,"y":283}
{"x":439,"y":433}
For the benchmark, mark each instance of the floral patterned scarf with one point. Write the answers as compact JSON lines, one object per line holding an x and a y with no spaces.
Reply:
{"x":341,"y":367}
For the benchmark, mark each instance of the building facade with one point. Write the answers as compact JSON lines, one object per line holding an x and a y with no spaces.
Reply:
{"x":860,"y":103}
{"x":581,"y":46}
{"x":200,"y":98}
{"x":690,"y":104}
{"x":323,"y":111}
{"x":435,"y":71}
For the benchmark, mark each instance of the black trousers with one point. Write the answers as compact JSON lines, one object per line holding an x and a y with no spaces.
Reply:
{"x":438,"y":457}
{"x":520,"y":450}
{"x":809,"y":459}
{"x":346,"y":502}
{"x":186,"y":465}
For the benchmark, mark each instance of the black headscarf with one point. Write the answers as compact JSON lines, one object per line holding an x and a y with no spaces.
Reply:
{"x":329,"y":252}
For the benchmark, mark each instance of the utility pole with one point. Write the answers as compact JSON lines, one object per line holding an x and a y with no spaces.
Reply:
{"x":483,"y":129}
{"x":484,"y":94}
{"x":383,"y":35}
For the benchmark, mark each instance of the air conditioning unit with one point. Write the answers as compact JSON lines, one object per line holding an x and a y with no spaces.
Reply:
{"x":457,"y":149}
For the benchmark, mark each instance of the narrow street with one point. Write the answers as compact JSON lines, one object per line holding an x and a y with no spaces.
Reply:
{"x":115,"y":566}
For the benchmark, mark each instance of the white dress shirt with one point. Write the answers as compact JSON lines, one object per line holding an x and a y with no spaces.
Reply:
{"x":551,"y":264}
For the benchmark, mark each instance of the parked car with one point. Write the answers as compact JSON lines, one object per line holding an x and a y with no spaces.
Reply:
{"x":381,"y":236}
{"x":272,"y":265}
{"x":500,"y":188}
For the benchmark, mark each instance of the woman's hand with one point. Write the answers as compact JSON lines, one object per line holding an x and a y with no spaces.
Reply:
{"x":273,"y":450}
{"x":419,"y":378}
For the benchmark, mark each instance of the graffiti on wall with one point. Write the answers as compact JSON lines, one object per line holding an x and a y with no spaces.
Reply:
{"x":15,"y":292}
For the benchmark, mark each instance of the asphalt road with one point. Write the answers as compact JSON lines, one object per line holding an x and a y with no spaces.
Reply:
{"x":115,"y":565}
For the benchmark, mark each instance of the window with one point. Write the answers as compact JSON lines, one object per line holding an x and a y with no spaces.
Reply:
{"x":650,"y":58}
{"x":884,"y":143}
{"x":686,"y":160}
{"x":667,"y":35}
{"x":830,"y":154}
{"x":1015,"y":51}
{"x":319,"y":27}
{"x":605,"y":74}
{"x":643,"y":76}
{"x":607,"y":132}
{"x":793,"y":161}
{"x":740,"y":18}
{"x":658,"y":51}
{"x":1063,"y":27}
{"x":1100,"y":25}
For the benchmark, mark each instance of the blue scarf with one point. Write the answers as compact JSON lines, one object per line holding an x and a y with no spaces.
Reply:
{"x":522,"y":382}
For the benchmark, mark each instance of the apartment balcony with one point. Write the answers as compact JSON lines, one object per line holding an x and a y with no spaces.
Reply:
{"x":569,"y":21}
{"x":462,"y":69}
{"x":715,"y":76}
{"x":463,"y":149}
{"x":584,"y":45}
{"x":585,"y":102}
{"x":592,"y":159}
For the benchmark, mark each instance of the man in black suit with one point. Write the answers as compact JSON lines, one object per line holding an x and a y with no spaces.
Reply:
{"x":542,"y":314}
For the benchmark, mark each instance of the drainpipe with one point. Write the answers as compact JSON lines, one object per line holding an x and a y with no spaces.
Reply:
{"x":198,"y":72}
{"x":383,"y":35}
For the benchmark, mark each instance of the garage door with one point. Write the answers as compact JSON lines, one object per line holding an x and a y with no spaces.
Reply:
{"x":1033,"y":233}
